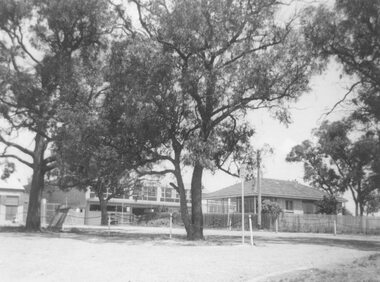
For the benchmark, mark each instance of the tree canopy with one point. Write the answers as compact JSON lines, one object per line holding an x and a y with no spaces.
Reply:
{"x":203,"y":65}
{"x":349,"y":32}
{"x":45,"y":49}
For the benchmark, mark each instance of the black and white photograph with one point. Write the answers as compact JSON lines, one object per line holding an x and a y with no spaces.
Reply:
{"x":189,"y":140}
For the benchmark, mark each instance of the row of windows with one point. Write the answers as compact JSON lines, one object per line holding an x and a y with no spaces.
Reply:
{"x":149,"y":193}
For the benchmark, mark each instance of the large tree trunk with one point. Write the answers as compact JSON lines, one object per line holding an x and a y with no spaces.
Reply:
{"x":196,"y":202}
{"x":361,"y":209}
{"x":103,"y":210}
{"x":33,"y":219}
{"x":183,"y":205}
{"x":356,"y":208}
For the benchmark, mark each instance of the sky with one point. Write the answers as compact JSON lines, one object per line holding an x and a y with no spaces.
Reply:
{"x":307,"y":113}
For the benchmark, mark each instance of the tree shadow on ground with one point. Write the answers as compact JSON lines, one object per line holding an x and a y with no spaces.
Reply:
{"x":136,"y":237}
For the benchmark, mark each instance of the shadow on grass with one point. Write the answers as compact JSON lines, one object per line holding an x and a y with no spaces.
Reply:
{"x":357,"y":244}
{"x":132,"y":236}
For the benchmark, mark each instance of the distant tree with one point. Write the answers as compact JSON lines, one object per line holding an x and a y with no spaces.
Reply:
{"x":204,"y":64}
{"x":85,"y":160}
{"x":328,"y":205}
{"x":8,"y":169}
{"x":373,"y":204}
{"x":44,"y":47}
{"x":350,"y":163}
{"x":102,"y":144}
{"x":317,"y":170}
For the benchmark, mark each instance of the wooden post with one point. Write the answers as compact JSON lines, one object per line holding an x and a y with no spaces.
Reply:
{"x":334,"y":227}
{"x":170,"y":224}
{"x":43,"y":212}
{"x":109,"y":225}
{"x":276,"y":225}
{"x":242,"y":211}
{"x":228,"y":213}
{"x":258,"y":189}
{"x":250,"y":229}
{"x":122,"y":214}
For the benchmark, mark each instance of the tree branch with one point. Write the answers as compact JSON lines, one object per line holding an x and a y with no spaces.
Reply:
{"x":155,"y":172}
{"x":343,"y":99}
{"x":14,"y":145}
{"x":17,"y":158}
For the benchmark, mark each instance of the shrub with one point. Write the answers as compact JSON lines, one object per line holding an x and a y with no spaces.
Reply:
{"x":272,"y":208}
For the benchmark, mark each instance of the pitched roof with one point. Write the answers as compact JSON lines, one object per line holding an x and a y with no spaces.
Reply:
{"x":270,"y":188}
{"x":11,"y":184}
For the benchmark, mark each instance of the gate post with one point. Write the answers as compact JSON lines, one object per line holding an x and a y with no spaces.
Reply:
{"x":43,"y":212}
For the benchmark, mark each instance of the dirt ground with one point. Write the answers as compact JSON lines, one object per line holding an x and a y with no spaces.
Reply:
{"x":148,"y":254}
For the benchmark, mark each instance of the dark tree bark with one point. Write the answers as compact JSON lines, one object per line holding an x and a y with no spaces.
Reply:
{"x":180,"y":188}
{"x":33,"y":220}
{"x":183,"y":207}
{"x":196,"y":199}
{"x":103,"y":209}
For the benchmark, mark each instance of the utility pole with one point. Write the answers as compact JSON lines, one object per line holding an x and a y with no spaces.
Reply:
{"x":258,"y":188}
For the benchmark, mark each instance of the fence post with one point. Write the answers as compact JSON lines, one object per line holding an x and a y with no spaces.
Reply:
{"x":109,"y":225}
{"x":43,"y":212}
{"x":276,"y":224}
{"x":334,"y":227}
{"x":170,"y":224}
{"x":250,"y":228}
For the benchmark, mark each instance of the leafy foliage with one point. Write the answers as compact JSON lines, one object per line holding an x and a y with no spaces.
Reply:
{"x":328,"y":205}
{"x":9,"y":168}
{"x":349,"y":33}
{"x":373,"y":203}
{"x":272,"y":208}
{"x":46,"y":54}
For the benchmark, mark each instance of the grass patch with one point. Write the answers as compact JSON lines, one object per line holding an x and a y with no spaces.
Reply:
{"x":364,"y":269}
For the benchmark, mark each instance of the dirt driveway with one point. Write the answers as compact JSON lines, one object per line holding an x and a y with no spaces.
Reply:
{"x":147,"y":254}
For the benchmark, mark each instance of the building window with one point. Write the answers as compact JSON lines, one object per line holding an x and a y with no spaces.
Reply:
{"x":166,"y":195}
{"x":94,"y":207}
{"x":11,"y":203}
{"x":149,"y":193}
{"x":10,"y":212}
{"x":289,"y":205}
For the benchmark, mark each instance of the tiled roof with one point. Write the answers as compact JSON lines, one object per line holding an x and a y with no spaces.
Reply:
{"x":270,"y":188}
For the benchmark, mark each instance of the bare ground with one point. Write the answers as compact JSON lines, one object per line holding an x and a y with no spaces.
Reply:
{"x":147,"y":254}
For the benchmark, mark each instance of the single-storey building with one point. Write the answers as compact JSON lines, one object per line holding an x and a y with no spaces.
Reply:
{"x":11,"y":202}
{"x":292,"y":197}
